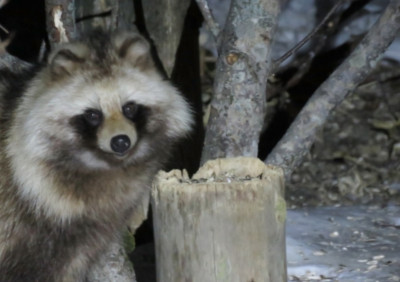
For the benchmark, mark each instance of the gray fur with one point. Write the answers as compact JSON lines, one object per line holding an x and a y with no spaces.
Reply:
{"x":62,"y":197}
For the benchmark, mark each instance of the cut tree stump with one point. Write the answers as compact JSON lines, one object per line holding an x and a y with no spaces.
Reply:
{"x":227,"y":223}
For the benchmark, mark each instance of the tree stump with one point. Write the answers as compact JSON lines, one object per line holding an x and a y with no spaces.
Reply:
{"x":227,"y":223}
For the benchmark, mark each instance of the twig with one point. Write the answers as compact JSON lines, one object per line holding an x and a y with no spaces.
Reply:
{"x":5,"y":43}
{"x":302,"y":61}
{"x":295,"y":144}
{"x":106,"y":13}
{"x":295,"y":48}
{"x":213,"y":25}
{"x":2,"y":3}
{"x":4,"y":29}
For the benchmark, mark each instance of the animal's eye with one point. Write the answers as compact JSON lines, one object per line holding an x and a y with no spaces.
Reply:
{"x":93,"y":117}
{"x":129,"y":110}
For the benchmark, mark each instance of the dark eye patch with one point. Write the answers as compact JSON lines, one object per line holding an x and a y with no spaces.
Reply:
{"x":86,"y":125}
{"x":93,"y":117}
{"x":136,"y":113}
{"x":130,"y":110}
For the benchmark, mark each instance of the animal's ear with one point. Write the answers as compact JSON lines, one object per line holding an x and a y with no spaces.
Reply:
{"x":134,"y":49}
{"x":67,"y":58}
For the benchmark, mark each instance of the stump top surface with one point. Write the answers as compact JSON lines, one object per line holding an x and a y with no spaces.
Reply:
{"x":224,"y":170}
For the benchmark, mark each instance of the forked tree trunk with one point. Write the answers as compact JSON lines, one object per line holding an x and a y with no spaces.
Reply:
{"x":238,"y":106}
{"x":227,"y":223}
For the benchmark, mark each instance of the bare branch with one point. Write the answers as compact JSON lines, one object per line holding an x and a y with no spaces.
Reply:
{"x":2,"y":3}
{"x":4,"y":29}
{"x":10,"y":62}
{"x":60,"y":21}
{"x":316,"y":30}
{"x":303,"y":60}
{"x":212,"y":24}
{"x":295,"y":144}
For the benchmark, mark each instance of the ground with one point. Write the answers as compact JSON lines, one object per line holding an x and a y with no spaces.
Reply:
{"x":354,"y":243}
{"x":344,"y":200}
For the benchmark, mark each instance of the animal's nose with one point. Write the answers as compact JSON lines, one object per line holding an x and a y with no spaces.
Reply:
{"x":120,"y":143}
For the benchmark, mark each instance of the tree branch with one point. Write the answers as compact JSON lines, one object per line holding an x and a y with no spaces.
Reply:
{"x":8,"y":61}
{"x":60,"y":16}
{"x":294,"y":145}
{"x":303,"y":61}
{"x":212,"y":24}
{"x":316,"y":30}
{"x":4,"y":29}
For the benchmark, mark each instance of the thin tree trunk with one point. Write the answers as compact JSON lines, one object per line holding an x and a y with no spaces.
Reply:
{"x":164,"y":22}
{"x":239,"y":102}
{"x":295,"y":144}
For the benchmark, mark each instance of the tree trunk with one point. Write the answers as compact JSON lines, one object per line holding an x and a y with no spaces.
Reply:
{"x":239,"y":102}
{"x":113,"y":265}
{"x":225,"y":224}
{"x":107,"y":14}
{"x":164,"y":23}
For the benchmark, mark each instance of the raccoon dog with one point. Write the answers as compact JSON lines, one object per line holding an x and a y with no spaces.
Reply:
{"x":81,"y":139}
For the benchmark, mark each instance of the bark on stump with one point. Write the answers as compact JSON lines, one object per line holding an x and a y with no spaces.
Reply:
{"x":227,"y":223}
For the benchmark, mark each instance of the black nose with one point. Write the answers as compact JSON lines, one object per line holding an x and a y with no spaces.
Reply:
{"x":120,"y":143}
